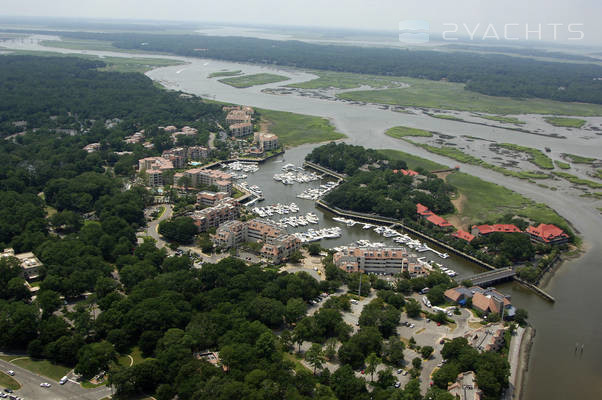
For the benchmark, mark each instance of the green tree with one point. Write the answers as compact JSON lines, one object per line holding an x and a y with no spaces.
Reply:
{"x":372,"y":362}
{"x":49,"y":301}
{"x":413,"y":308}
{"x":315,"y":356}
{"x":295,"y":309}
{"x":94,"y":358}
{"x":426,"y":351}
{"x":314,"y":249}
{"x":521,"y":316}
{"x":417,"y":362}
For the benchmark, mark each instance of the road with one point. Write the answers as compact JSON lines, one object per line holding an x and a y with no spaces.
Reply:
{"x":153,"y":226}
{"x":31,"y":390}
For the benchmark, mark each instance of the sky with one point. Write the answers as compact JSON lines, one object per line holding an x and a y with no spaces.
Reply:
{"x":576,"y":21}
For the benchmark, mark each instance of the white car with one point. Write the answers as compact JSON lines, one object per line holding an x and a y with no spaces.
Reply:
{"x":45,"y":384}
{"x":11,"y":372}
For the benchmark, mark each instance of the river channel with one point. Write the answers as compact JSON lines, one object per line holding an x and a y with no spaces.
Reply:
{"x":555,"y":372}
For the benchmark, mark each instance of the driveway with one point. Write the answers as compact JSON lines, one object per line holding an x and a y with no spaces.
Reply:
{"x":31,"y":390}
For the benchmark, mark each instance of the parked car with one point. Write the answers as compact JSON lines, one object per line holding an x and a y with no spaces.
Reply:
{"x":45,"y":384}
{"x":11,"y":372}
{"x":397,"y":385}
{"x":7,"y":390}
{"x":399,"y":371}
{"x":63,"y":380}
{"x":404,"y":373}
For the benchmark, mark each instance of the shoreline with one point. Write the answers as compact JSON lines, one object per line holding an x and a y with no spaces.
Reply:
{"x":522,"y":366}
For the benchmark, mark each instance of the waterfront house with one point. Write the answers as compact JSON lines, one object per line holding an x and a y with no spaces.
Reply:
{"x":484,"y":230}
{"x":547,"y":233}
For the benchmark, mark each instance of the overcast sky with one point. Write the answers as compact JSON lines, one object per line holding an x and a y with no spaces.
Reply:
{"x":470,"y":16}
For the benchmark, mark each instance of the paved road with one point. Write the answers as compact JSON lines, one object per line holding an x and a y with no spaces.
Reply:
{"x":153,"y":226}
{"x":31,"y":390}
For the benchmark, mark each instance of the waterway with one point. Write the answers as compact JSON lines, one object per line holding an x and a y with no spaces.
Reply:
{"x":555,"y":371}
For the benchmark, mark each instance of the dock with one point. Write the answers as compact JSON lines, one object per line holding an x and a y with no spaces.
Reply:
{"x":326,"y":171}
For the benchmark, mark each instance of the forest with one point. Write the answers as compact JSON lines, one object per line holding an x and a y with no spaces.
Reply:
{"x":374,"y":187}
{"x":491,"y":74}
{"x":69,"y":92}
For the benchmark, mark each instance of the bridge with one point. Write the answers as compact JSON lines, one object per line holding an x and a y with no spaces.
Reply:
{"x":492,"y":277}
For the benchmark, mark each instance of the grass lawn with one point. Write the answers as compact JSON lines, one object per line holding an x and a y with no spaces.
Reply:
{"x":346,"y":80}
{"x":136,"y":355}
{"x":458,"y":155}
{"x":565,"y":122}
{"x":579,"y":159}
{"x":489,"y":201}
{"x":453,"y":96}
{"x":7,"y":381}
{"x":43,"y":367}
{"x":575,"y":180}
{"x":220,"y":74}
{"x":413,"y":161}
{"x":562,"y":165}
{"x":505,"y":120}
{"x":296,"y":129}
{"x":399,"y":132}
{"x":537,"y":157}
{"x":296,"y":360}
{"x":246,"y":81}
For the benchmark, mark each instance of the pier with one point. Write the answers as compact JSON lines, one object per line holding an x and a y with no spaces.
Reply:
{"x":324,"y":170}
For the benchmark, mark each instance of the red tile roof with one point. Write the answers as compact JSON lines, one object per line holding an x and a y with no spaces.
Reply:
{"x":423,"y":210}
{"x":505,"y":228}
{"x":460,"y":234}
{"x":547,"y":232}
{"x":406,"y":172}
{"x":437,"y":220}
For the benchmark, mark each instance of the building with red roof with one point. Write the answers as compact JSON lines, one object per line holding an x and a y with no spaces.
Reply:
{"x":406,"y":172}
{"x":438,"y":221}
{"x":423,"y":210}
{"x":547,"y":233}
{"x":460,"y":234}
{"x":484,"y":230}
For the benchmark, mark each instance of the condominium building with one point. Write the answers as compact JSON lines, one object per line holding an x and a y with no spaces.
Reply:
{"x":207,"y":177}
{"x":266,"y":141}
{"x":237,"y":117}
{"x":393,"y":260}
{"x":278,"y":245}
{"x":177,"y":156}
{"x":280,"y":248}
{"x":197,"y":153}
{"x":230,"y":234}
{"x":262,"y":229}
{"x":241,"y":129}
{"x":30,"y":264}
{"x":212,"y":217}
{"x":155,"y":168}
{"x":206,"y":198}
